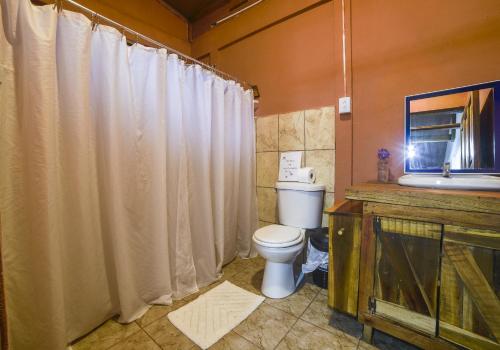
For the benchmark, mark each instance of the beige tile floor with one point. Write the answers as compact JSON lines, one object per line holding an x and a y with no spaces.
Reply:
{"x":300,"y":321}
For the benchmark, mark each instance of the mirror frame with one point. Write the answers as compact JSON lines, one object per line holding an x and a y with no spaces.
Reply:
{"x":496,"y":142}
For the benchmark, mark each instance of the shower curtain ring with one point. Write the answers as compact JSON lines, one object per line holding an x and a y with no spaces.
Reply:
{"x":92,"y":21}
{"x":57,"y":5}
{"x":95,"y":21}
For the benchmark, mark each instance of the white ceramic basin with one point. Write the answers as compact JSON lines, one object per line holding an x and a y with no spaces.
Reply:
{"x":455,"y":182}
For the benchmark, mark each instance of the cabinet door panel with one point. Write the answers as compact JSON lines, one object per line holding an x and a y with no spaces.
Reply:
{"x":406,"y":272}
{"x":345,"y":241}
{"x":470,"y":287}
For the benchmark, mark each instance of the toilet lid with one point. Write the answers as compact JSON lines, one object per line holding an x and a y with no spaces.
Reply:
{"x":277,"y":234}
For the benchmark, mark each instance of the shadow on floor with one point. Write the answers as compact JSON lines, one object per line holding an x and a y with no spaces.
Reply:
{"x":351,"y":326}
{"x":386,"y":342}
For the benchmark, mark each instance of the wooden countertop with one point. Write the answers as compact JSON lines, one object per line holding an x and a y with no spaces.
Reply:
{"x":476,"y":201}
{"x":346,"y":207}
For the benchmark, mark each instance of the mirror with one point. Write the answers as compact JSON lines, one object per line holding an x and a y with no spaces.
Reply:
{"x":459,"y":126}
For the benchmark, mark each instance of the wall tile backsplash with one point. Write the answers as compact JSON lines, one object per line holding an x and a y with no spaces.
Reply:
{"x":267,"y":134}
{"x":291,"y":131}
{"x":323,"y":161}
{"x":320,"y":129}
{"x":311,"y":131}
{"x":267,"y":168}
{"x":266,"y":200}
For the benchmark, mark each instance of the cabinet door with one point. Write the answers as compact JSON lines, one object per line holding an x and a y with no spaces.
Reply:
{"x":345,"y":240}
{"x":407,"y":272}
{"x":470,"y":288}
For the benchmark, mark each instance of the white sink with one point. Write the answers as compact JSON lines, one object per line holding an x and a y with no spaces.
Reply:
{"x":455,"y":182}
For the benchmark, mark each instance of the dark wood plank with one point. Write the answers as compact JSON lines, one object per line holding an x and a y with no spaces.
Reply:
{"x":386,"y":279}
{"x":346,"y":250}
{"x":435,"y":215}
{"x":474,"y":237}
{"x":394,"y":250}
{"x":347,"y":207}
{"x":473,"y":201}
{"x":465,"y":338}
{"x":419,"y":339}
{"x":451,"y":294}
{"x":477,"y":285}
{"x":331,"y":262}
{"x":367,"y":265}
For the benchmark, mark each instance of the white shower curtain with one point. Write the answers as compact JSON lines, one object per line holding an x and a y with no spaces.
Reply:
{"x":126,"y":177}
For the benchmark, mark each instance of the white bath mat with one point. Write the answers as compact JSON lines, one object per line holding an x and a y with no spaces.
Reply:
{"x":212,"y":315}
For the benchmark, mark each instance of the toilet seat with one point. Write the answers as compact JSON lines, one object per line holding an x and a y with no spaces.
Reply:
{"x":278,"y":236}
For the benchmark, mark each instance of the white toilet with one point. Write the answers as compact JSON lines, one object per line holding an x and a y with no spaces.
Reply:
{"x":300,"y":207}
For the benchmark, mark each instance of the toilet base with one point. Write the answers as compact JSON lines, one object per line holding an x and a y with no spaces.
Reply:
{"x":278,"y":280}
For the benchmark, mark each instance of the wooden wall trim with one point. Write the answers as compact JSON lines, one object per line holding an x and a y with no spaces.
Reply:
{"x":272,"y":24}
{"x":267,"y":12}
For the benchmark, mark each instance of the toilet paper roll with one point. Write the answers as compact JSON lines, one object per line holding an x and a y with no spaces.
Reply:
{"x":306,"y":175}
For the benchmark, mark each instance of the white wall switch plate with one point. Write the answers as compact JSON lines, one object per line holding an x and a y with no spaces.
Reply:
{"x":344,"y":105}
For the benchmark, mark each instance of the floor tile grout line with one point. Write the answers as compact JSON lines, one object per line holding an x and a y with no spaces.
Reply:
{"x":319,"y":292}
{"x":297,"y":319}
{"x":288,"y":331}
{"x":152,"y":321}
{"x":150,"y":336}
{"x":251,"y":341}
{"x":241,"y":335}
{"x":124,"y":339}
{"x":153,"y":339}
{"x":302,"y":311}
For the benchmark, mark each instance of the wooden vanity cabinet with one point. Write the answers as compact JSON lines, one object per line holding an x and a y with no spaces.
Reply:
{"x":344,"y":249}
{"x":430,"y":265}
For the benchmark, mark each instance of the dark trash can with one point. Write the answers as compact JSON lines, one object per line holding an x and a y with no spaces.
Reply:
{"x":319,"y":240}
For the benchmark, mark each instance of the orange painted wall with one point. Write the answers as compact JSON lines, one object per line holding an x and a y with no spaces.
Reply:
{"x":407,"y":47}
{"x":291,"y":62}
{"x":148,"y":17}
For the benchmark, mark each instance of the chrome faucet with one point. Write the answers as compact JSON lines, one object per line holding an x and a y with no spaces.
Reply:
{"x":446,"y":169}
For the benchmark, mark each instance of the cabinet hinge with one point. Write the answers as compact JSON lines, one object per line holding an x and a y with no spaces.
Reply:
{"x":372,"y":305}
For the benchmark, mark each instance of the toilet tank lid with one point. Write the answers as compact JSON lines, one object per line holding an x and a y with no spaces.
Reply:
{"x":300,"y":186}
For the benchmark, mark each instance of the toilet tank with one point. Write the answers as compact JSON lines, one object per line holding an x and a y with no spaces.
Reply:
{"x":300,"y":204}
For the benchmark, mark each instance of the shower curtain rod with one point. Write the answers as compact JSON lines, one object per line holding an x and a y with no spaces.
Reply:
{"x":94,"y":14}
